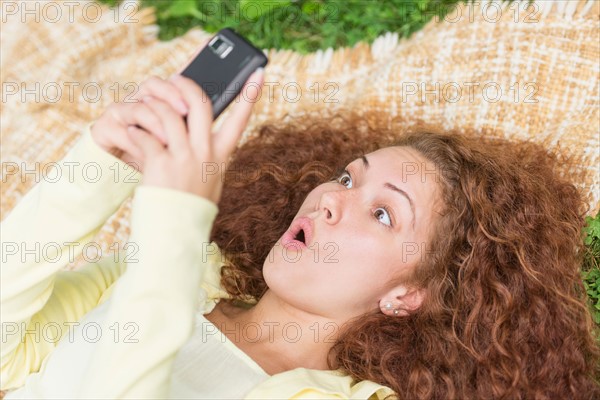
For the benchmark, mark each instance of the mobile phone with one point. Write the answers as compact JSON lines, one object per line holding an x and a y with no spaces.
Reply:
{"x":223,"y":66}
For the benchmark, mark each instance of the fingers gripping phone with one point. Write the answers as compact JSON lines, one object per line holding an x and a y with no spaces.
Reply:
{"x":223,"y":66}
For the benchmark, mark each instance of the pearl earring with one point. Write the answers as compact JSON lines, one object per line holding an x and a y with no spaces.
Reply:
{"x":389,"y":305}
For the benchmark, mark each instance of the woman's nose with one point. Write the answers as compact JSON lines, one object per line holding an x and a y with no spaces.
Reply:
{"x":331,"y":207}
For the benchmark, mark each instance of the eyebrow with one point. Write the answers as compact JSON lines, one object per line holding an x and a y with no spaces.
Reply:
{"x":395,"y":189}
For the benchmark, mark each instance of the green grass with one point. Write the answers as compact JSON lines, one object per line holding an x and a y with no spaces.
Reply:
{"x":303,"y":25}
{"x":591,"y":265}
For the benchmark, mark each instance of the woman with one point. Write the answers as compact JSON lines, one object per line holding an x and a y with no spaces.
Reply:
{"x":434,"y":265}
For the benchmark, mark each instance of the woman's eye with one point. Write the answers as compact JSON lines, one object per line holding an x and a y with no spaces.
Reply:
{"x":383,"y":215}
{"x":345,"y":179}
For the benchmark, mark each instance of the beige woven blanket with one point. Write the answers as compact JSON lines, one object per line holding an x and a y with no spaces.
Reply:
{"x":488,"y":69}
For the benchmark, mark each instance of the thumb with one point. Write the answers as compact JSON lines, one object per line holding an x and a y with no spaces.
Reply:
{"x":145,"y":141}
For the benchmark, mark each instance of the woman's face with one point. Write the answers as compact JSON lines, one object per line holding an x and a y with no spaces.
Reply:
{"x":365,"y":232}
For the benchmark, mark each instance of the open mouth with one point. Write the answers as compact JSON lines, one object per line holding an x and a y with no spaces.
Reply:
{"x":299,"y":235}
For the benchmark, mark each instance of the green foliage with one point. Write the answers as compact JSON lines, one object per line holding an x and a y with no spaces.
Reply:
{"x":591,"y":266}
{"x":110,"y":3}
{"x":300,"y":25}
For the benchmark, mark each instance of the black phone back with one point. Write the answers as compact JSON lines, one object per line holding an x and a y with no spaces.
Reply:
{"x":223,"y":66}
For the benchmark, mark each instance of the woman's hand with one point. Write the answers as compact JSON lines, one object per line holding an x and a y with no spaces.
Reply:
{"x":195,"y":157}
{"x":110,"y":130}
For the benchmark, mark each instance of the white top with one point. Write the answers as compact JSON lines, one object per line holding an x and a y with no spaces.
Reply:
{"x":229,"y":374}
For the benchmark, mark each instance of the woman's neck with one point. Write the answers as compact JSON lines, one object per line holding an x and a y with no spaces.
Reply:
{"x":275,"y":338}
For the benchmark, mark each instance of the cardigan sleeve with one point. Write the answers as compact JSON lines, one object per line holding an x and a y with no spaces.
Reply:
{"x":47,"y":229}
{"x":159,"y":293}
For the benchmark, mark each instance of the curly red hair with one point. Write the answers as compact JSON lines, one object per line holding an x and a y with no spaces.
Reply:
{"x":505,"y":312}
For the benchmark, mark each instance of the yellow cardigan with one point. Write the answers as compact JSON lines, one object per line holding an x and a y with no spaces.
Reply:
{"x":154,"y":280}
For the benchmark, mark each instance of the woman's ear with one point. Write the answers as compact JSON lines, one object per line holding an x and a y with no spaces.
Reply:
{"x":401,"y":300}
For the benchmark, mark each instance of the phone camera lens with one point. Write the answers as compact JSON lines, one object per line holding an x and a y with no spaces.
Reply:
{"x":216,"y":44}
{"x":221,"y":47}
